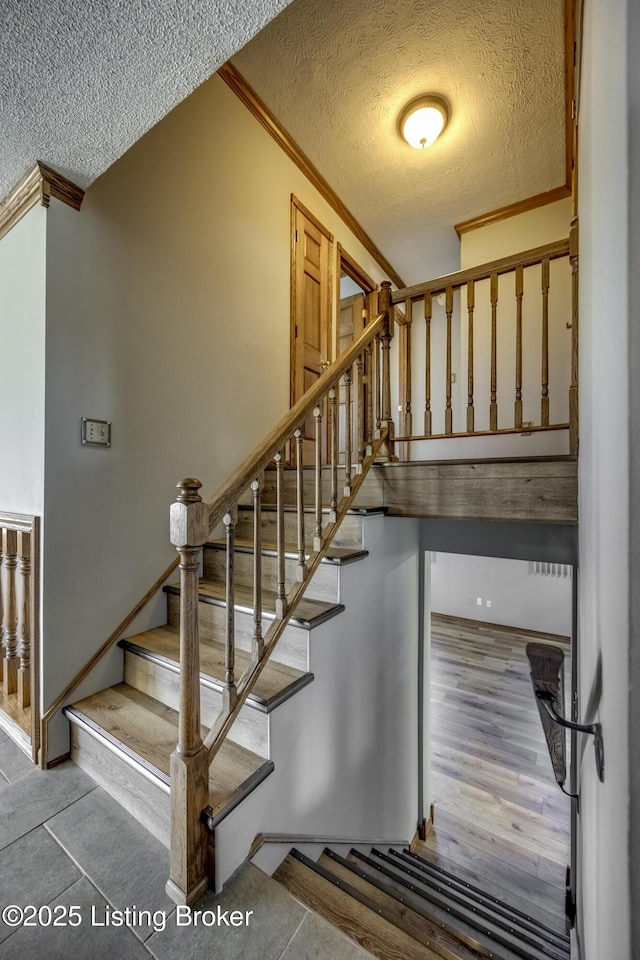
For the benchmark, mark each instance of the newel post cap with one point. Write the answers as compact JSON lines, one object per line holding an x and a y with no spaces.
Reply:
{"x":189,"y":516}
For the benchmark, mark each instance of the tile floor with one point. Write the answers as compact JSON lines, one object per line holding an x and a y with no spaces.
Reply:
{"x":65,"y":842}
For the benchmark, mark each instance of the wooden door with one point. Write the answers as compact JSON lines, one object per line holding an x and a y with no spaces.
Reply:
{"x":351,"y":323}
{"x":311,"y":310}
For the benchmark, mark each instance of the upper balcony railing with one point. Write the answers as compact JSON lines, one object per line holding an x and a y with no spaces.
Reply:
{"x":504,"y":327}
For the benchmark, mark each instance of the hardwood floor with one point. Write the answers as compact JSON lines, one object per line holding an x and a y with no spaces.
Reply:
{"x":499,"y":814}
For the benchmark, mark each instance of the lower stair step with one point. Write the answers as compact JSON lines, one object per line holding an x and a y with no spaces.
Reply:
{"x":305,"y":880}
{"x":123,"y":734}
{"x":431,"y":934}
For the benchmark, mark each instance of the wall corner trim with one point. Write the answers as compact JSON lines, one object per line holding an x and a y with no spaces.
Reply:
{"x":234,"y":79}
{"x":38,"y":186}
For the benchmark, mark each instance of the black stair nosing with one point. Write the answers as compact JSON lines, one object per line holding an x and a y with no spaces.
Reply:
{"x":510,"y":941}
{"x":253,"y":700}
{"x":483,"y":911}
{"x":333,"y":611}
{"x":130,"y":756}
{"x":292,"y":508}
{"x":448,"y":878}
{"x":213,"y":819}
{"x":353,"y":556}
{"x":467,"y":934}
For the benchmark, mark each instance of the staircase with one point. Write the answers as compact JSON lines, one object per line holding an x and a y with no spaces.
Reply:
{"x":123,"y":737}
{"x":398,"y":906}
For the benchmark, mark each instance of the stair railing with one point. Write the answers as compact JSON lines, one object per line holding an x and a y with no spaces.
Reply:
{"x":459,"y":294}
{"x":348,"y":408}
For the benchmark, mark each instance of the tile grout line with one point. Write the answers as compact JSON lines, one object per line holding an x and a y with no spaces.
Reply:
{"x":289,"y":941}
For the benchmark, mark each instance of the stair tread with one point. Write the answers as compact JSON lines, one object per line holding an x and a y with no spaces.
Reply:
{"x":274,"y":681}
{"x":149,"y":729}
{"x":310,"y":511}
{"x":374,"y":934}
{"x":438,"y":939}
{"x":307,"y":612}
{"x":336,"y":555}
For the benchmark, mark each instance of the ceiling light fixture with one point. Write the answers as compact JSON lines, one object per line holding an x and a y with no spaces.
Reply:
{"x":423,"y":120}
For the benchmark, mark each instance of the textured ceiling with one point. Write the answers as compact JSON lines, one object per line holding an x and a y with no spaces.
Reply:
{"x":82,"y":80}
{"x":337,"y":73}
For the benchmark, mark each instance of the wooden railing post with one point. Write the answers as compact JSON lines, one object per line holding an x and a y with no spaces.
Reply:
{"x":24,"y":672}
{"x":573,"y":389}
{"x":11,"y":660}
{"x":189,"y":768}
{"x":385,"y":306}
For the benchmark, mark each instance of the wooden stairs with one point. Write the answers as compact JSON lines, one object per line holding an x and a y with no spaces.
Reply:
{"x":123,"y":736}
{"x":400,"y":906}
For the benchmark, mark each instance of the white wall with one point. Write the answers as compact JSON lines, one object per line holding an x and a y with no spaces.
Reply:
{"x":519,"y":598}
{"x":519,"y":233}
{"x":168,"y":314}
{"x":22,"y":350}
{"x":346,"y":747}
{"x":603,"y":480}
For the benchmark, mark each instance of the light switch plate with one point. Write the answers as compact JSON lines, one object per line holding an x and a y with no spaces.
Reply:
{"x":95,"y":433}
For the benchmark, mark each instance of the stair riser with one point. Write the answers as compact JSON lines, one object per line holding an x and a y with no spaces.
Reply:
{"x":371,"y":492}
{"x":148,"y":803}
{"x":349,"y":534}
{"x":292,"y":648}
{"x":323,"y":586}
{"x":250,"y":730}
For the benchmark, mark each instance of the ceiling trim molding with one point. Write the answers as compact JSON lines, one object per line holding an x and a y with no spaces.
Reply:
{"x":520,"y":206}
{"x":38,"y":186}
{"x":234,"y":79}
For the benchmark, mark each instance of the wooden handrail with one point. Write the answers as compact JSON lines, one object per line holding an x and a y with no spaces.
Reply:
{"x":227,"y":495}
{"x":549,"y":251}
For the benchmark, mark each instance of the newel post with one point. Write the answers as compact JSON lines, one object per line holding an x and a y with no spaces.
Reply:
{"x":573,"y":389}
{"x":385,"y":306}
{"x":189,"y":523}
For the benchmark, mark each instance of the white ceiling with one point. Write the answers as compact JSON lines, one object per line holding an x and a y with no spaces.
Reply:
{"x":82,"y":80}
{"x":337,"y":73}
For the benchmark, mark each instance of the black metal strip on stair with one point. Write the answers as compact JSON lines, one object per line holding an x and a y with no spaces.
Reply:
{"x":253,"y":700}
{"x":213,"y":818}
{"x":495,"y":931}
{"x":448,"y":880}
{"x":119,"y":748}
{"x":484,"y":913}
{"x":362,"y":898}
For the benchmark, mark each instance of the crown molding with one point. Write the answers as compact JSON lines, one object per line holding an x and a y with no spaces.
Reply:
{"x":234,"y":79}
{"x":520,"y":206}
{"x":38,"y":186}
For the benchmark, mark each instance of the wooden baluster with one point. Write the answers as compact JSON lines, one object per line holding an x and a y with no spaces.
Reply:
{"x":333,"y":407}
{"x":281,"y":597}
{"x":302,"y":559}
{"x":428,"y":313}
{"x":230,"y":691}
{"x":360,"y":412}
{"x":317,"y":539}
{"x":544,"y":400}
{"x":448,"y":413}
{"x":347,"y":432}
{"x":189,"y":764}
{"x":517,"y":412}
{"x":377,"y":380}
{"x":493,"y":405}
{"x":1,"y":596}
{"x":407,"y":426}
{"x":386,"y":307}
{"x":368,"y":366}
{"x":471,"y":302}
{"x":24,"y":673}
{"x":573,"y":389}
{"x":257,"y":646}
{"x":11,"y":660}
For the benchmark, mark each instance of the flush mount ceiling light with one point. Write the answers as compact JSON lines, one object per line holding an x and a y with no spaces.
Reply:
{"x":423,"y":120}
